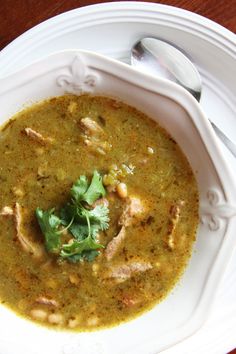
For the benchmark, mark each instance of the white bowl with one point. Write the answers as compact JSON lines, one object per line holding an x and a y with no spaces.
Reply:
{"x":187,"y":307}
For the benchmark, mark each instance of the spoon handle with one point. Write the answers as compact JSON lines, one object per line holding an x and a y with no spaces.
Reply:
{"x":225,"y":140}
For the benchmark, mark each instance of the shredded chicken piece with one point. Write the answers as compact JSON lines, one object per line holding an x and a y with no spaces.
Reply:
{"x":90,"y":126}
{"x":133,"y":210}
{"x":6,"y":211}
{"x":92,"y":136}
{"x":97,"y":146}
{"x":174,"y":219}
{"x":27,"y":245}
{"x":35,"y":250}
{"x":46,"y":301}
{"x":125,"y":271}
{"x":37,"y":136}
{"x":114,"y":244}
{"x":130,"y":301}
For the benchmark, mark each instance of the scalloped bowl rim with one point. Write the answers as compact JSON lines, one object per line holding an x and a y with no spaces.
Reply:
{"x":182,"y":98}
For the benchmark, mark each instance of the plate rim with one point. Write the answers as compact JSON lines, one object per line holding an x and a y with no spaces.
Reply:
{"x":219,"y":35}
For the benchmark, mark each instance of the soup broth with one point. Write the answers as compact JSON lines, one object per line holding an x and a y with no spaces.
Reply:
{"x":150,"y":194}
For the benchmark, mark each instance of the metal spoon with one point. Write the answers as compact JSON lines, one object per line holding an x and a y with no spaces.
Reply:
{"x":159,"y":57}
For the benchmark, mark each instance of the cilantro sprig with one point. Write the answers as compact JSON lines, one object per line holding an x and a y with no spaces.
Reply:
{"x":79,"y":218}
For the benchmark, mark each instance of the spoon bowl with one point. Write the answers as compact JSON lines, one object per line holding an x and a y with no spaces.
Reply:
{"x":161,"y":58}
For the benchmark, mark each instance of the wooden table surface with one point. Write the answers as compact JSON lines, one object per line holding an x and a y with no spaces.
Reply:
{"x":17,"y":16}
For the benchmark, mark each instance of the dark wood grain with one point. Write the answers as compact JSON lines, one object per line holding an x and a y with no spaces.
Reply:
{"x":17,"y":16}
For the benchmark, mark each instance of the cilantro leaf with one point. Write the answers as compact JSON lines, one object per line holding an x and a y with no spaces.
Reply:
{"x":49,"y":224}
{"x":77,"y":247}
{"x":79,"y":188}
{"x":95,"y":190}
{"x":90,"y":255}
{"x":99,"y":217}
{"x":82,"y":191}
{"x":68,"y":212}
{"x":87,"y":255}
{"x":80,"y":232}
{"x":74,"y":258}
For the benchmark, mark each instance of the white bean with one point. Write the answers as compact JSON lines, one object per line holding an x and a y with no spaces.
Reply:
{"x":55,"y":318}
{"x":122,"y":190}
{"x":150,"y":150}
{"x":92,"y":321}
{"x":39,"y":314}
{"x":6,"y":211}
{"x":73,"y":322}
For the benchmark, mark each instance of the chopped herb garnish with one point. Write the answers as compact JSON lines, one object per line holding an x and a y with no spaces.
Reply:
{"x":49,"y":224}
{"x":80,"y":220}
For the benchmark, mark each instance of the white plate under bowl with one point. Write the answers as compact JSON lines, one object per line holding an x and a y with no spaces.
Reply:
{"x":187,"y":307}
{"x":212,"y":48}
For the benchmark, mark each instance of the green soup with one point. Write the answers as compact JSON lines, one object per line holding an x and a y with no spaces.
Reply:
{"x":151,"y":194}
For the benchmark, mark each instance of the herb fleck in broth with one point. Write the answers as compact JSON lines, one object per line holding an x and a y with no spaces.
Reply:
{"x":151,"y":198}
